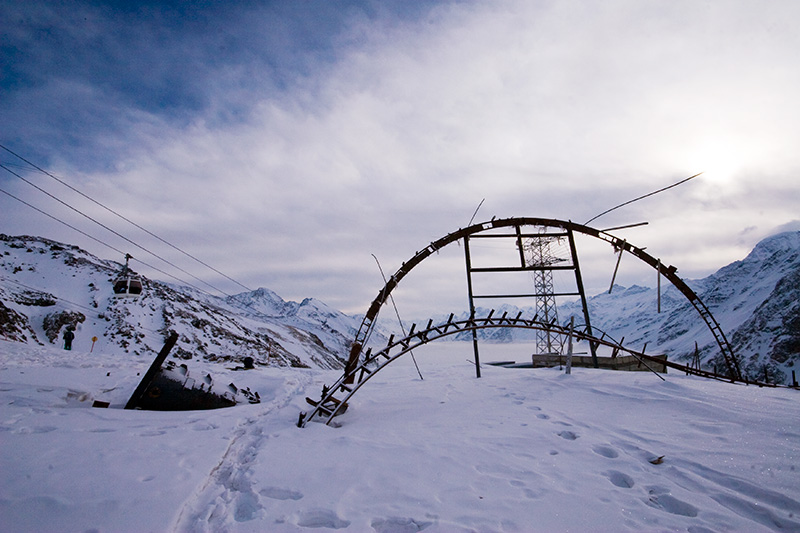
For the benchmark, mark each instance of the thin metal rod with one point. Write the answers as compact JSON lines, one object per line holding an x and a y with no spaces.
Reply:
{"x":539,"y":295}
{"x":476,"y":212}
{"x":524,"y":235}
{"x":526,"y":268}
{"x":641,"y":197}
{"x":396,"y":312}
{"x":569,"y":345}
{"x":626,"y":226}
{"x":584,"y":304}
{"x":614,"y":276}
{"x":658,"y":283}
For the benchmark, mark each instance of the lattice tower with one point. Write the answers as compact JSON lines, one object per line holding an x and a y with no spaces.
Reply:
{"x":539,"y":254}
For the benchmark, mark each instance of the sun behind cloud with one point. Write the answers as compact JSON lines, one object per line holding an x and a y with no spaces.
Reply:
{"x":720,"y":160}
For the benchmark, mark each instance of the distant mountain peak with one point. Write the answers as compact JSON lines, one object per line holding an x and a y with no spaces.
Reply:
{"x":788,"y":241}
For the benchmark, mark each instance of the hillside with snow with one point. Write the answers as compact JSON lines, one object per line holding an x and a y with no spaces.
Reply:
{"x":517,"y":450}
{"x":46,"y":287}
{"x":755,"y":300}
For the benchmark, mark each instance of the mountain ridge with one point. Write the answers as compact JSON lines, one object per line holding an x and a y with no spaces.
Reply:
{"x":756,"y":301}
{"x":48,"y":286}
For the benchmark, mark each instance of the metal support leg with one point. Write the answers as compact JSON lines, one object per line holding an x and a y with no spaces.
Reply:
{"x":472,"y":307}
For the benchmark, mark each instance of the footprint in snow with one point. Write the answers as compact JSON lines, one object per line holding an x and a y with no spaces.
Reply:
{"x":277,"y":493}
{"x":27,"y":430}
{"x":247,"y":507}
{"x":204,"y":426}
{"x":620,"y":479}
{"x":672,"y":505}
{"x":321,"y":518}
{"x":569,"y":435}
{"x":398,"y":525}
{"x":606,"y":451}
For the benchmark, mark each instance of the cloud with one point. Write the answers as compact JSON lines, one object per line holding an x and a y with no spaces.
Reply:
{"x":379,"y":133}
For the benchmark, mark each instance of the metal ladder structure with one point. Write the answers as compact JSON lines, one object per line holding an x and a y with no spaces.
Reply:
{"x":334,"y":399}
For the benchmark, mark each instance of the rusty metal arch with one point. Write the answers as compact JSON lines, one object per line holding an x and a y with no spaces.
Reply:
{"x":334,"y":399}
{"x":360,"y":369}
{"x":669,"y":272}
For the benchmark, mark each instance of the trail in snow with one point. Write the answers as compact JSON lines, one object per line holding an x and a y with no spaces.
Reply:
{"x":518,"y":450}
{"x":228,"y":489}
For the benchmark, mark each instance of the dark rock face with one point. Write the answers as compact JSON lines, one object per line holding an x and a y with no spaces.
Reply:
{"x":14,"y":326}
{"x":53,"y":322}
{"x":49,"y":286}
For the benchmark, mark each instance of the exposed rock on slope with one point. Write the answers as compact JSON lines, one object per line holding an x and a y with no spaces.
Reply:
{"x":755,"y":300}
{"x":47,"y":286}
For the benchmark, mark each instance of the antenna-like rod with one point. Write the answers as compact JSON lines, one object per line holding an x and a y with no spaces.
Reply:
{"x":476,"y":212}
{"x":396,"y":312}
{"x":641,"y":197}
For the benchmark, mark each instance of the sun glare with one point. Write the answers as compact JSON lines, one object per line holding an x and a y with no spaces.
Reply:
{"x":718,"y":161}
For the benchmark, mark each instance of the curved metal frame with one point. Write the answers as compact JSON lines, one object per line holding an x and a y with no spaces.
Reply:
{"x":669,"y":272}
{"x":330,"y":406}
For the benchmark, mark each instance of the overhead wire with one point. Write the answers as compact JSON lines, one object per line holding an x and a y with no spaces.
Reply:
{"x":184,"y":282}
{"x":99,"y":241}
{"x":61,"y":221}
{"x":49,"y":174}
{"x":62,"y":182}
{"x":117,"y":234}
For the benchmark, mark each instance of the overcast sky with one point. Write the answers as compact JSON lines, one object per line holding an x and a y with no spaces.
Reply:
{"x":283,"y":143}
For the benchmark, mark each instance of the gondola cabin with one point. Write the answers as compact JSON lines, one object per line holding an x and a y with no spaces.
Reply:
{"x":127,"y":284}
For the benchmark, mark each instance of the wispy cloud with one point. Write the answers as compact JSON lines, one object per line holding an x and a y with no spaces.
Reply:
{"x":287,"y":144}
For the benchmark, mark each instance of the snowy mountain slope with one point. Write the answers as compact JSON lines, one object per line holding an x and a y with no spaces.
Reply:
{"x":331,"y":327}
{"x":48,"y":286}
{"x":755,"y":300}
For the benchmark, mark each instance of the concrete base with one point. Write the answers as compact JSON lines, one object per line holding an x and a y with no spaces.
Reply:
{"x":625,"y":362}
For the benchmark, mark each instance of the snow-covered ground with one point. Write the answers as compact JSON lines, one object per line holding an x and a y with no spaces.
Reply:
{"x":517,"y":450}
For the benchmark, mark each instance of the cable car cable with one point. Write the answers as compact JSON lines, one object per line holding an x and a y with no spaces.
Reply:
{"x":114,"y":232}
{"x":61,"y":221}
{"x":43,"y":171}
{"x":101,"y":242}
{"x":245,"y":304}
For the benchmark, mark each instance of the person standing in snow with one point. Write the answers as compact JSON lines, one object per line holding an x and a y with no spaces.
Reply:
{"x":68,"y":336}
